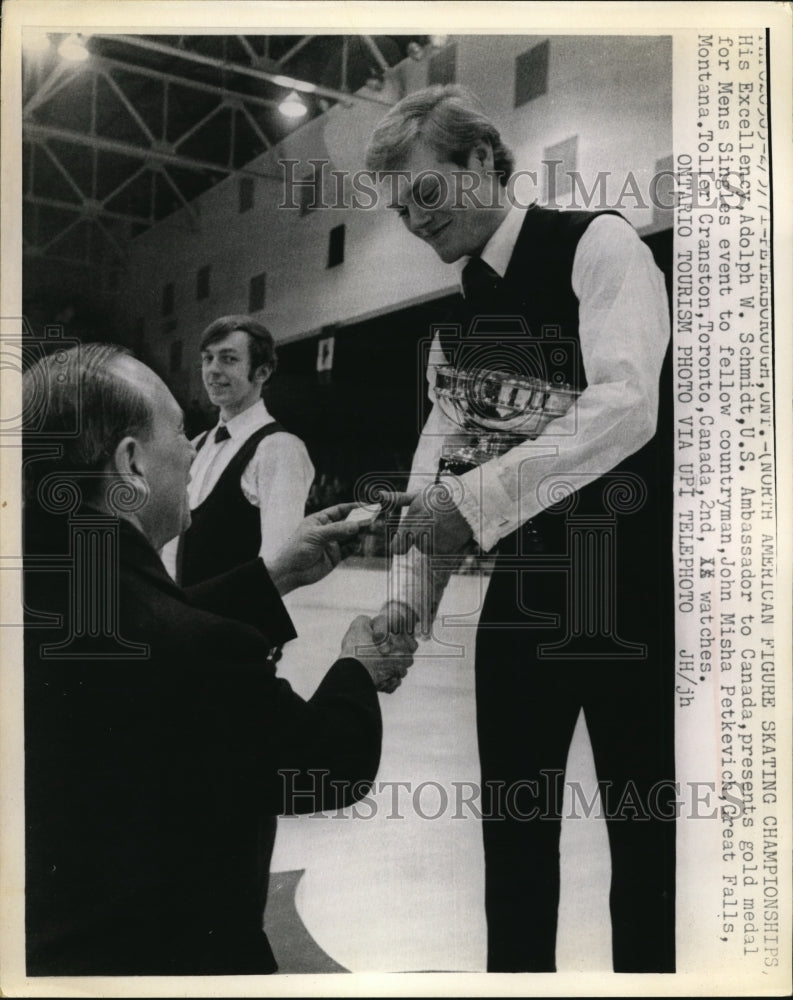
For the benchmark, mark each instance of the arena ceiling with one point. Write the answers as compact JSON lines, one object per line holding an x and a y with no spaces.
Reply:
{"x":143,"y":124}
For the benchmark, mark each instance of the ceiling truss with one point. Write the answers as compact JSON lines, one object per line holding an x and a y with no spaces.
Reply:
{"x":254,"y":71}
{"x":161,"y":121}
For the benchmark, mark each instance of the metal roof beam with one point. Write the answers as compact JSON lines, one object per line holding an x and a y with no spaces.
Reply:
{"x":132,"y":111}
{"x":59,"y":236}
{"x":230,"y":97}
{"x":122,"y":253}
{"x":373,"y":48}
{"x":255,"y":126}
{"x":294,"y":50}
{"x":207,"y":88}
{"x":41,"y":133}
{"x":249,"y":49}
{"x":127,"y":181}
{"x":197,"y":126}
{"x":185,"y":203}
{"x":259,"y":74}
{"x":87,"y":209}
{"x":56,"y":81}
{"x":64,"y":172}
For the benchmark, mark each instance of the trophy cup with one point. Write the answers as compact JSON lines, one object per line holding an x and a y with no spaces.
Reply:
{"x":498,"y":409}
{"x":495,"y":410}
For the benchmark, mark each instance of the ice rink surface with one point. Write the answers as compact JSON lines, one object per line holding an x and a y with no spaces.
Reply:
{"x":396,"y":883}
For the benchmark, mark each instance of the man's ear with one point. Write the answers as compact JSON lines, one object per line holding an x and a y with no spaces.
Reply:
{"x":129,"y":489}
{"x":263,"y":372}
{"x":128,"y":459}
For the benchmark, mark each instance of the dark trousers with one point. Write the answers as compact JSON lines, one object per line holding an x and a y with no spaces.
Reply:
{"x":527,"y":708}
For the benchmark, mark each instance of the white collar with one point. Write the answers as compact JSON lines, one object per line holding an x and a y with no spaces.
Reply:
{"x":245,"y":423}
{"x":501,"y":245}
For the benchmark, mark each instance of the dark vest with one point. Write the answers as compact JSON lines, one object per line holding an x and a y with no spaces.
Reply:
{"x":533,"y":330}
{"x":225,"y":530}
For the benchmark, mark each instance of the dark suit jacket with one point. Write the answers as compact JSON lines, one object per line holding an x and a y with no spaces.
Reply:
{"x":147,"y":779}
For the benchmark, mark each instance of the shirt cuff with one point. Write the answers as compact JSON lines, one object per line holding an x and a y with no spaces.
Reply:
{"x":486,"y":506}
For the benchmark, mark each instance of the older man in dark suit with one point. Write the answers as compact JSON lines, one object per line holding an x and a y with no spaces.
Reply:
{"x":158,"y":737}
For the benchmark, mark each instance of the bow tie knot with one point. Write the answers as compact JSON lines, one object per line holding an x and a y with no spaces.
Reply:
{"x":222,"y":434}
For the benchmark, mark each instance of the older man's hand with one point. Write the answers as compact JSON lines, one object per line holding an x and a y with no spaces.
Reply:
{"x":385,"y":657}
{"x":315,"y":548}
{"x":431,"y":522}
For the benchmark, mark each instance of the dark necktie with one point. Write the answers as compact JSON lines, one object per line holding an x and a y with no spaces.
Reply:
{"x":481,"y":285}
{"x":222,"y":434}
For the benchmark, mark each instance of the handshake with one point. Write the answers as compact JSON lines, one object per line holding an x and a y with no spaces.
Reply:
{"x":384,"y":645}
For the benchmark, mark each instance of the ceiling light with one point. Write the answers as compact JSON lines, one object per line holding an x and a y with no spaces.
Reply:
{"x":292,"y":106}
{"x":73,"y":49}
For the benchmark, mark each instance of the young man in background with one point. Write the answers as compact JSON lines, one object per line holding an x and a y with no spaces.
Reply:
{"x":250,"y":478}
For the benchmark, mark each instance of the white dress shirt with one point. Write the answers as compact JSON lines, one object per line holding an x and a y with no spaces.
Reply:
{"x":276,"y":480}
{"x":623,"y":332}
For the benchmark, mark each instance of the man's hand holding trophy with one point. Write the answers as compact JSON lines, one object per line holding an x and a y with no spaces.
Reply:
{"x":497,"y":411}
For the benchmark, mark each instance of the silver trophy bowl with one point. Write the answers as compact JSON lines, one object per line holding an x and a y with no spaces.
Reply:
{"x":498,"y":409}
